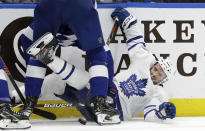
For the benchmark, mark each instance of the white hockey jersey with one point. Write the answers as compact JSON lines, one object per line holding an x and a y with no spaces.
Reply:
{"x":137,"y":93}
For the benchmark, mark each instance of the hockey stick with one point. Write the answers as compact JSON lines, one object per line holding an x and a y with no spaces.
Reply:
{"x":48,"y":105}
{"x":112,"y":31}
{"x":36,"y":111}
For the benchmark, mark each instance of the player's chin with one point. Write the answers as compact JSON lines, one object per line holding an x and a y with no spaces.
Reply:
{"x":155,"y":82}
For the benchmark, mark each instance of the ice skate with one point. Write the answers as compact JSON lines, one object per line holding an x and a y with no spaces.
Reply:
{"x":29,"y":105}
{"x":43,"y":48}
{"x":10,"y":119}
{"x":105,"y":114}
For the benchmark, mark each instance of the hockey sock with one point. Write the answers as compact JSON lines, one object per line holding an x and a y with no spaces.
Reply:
{"x":98,"y":72}
{"x":4,"y":91}
{"x":35,"y":74}
{"x":73,"y":76}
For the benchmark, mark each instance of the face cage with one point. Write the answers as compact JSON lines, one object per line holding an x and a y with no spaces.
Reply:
{"x":163,"y":81}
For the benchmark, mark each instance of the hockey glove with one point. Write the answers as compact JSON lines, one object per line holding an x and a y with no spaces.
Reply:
{"x":124,"y":17}
{"x":166,"y":110}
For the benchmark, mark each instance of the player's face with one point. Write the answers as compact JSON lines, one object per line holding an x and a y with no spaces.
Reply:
{"x":157,"y":74}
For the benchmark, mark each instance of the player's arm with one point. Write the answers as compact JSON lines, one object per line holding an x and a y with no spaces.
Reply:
{"x":159,"y":108}
{"x":160,"y":112}
{"x":135,"y":39}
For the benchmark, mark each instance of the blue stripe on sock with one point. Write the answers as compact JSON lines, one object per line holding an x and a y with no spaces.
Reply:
{"x":72,"y":70}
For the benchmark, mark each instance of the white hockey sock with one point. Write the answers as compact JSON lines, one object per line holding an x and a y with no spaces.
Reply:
{"x":75,"y":77}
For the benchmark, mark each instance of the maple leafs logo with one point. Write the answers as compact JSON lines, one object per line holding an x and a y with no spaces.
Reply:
{"x":132,"y":86}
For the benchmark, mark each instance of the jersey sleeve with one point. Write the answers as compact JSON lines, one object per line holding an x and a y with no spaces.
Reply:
{"x":159,"y":97}
{"x":136,"y":46}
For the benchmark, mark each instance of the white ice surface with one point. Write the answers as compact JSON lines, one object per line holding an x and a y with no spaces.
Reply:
{"x":177,"y":124}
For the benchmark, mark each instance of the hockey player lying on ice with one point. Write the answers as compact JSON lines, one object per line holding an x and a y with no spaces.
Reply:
{"x":137,"y":89}
{"x":134,"y":90}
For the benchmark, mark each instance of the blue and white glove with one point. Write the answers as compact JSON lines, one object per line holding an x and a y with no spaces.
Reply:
{"x":166,"y":110}
{"x":124,"y":17}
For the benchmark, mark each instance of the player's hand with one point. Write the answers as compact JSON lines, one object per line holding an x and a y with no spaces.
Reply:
{"x":123,"y":16}
{"x":166,"y":110}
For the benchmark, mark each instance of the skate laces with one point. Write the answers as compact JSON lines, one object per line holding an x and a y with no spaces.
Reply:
{"x":9,"y":109}
{"x":13,"y":111}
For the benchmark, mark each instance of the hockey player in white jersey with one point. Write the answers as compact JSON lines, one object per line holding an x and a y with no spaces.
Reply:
{"x":139,"y":86}
{"x":137,"y":89}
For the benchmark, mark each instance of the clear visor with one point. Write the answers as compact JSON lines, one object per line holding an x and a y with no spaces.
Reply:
{"x":157,"y":74}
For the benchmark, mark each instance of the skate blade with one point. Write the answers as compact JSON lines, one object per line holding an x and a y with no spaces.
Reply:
{"x":35,"y":48}
{"x":7,"y":124}
{"x":101,"y":119}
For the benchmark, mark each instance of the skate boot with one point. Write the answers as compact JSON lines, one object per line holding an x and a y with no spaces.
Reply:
{"x":9,"y":119}
{"x":43,"y":49}
{"x":105,"y":114}
{"x":29,"y":105}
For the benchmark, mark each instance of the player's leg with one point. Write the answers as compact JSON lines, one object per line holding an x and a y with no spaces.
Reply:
{"x":91,"y":39}
{"x":72,"y":75}
{"x":9,"y":119}
{"x":46,"y":19}
{"x":35,"y":73}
